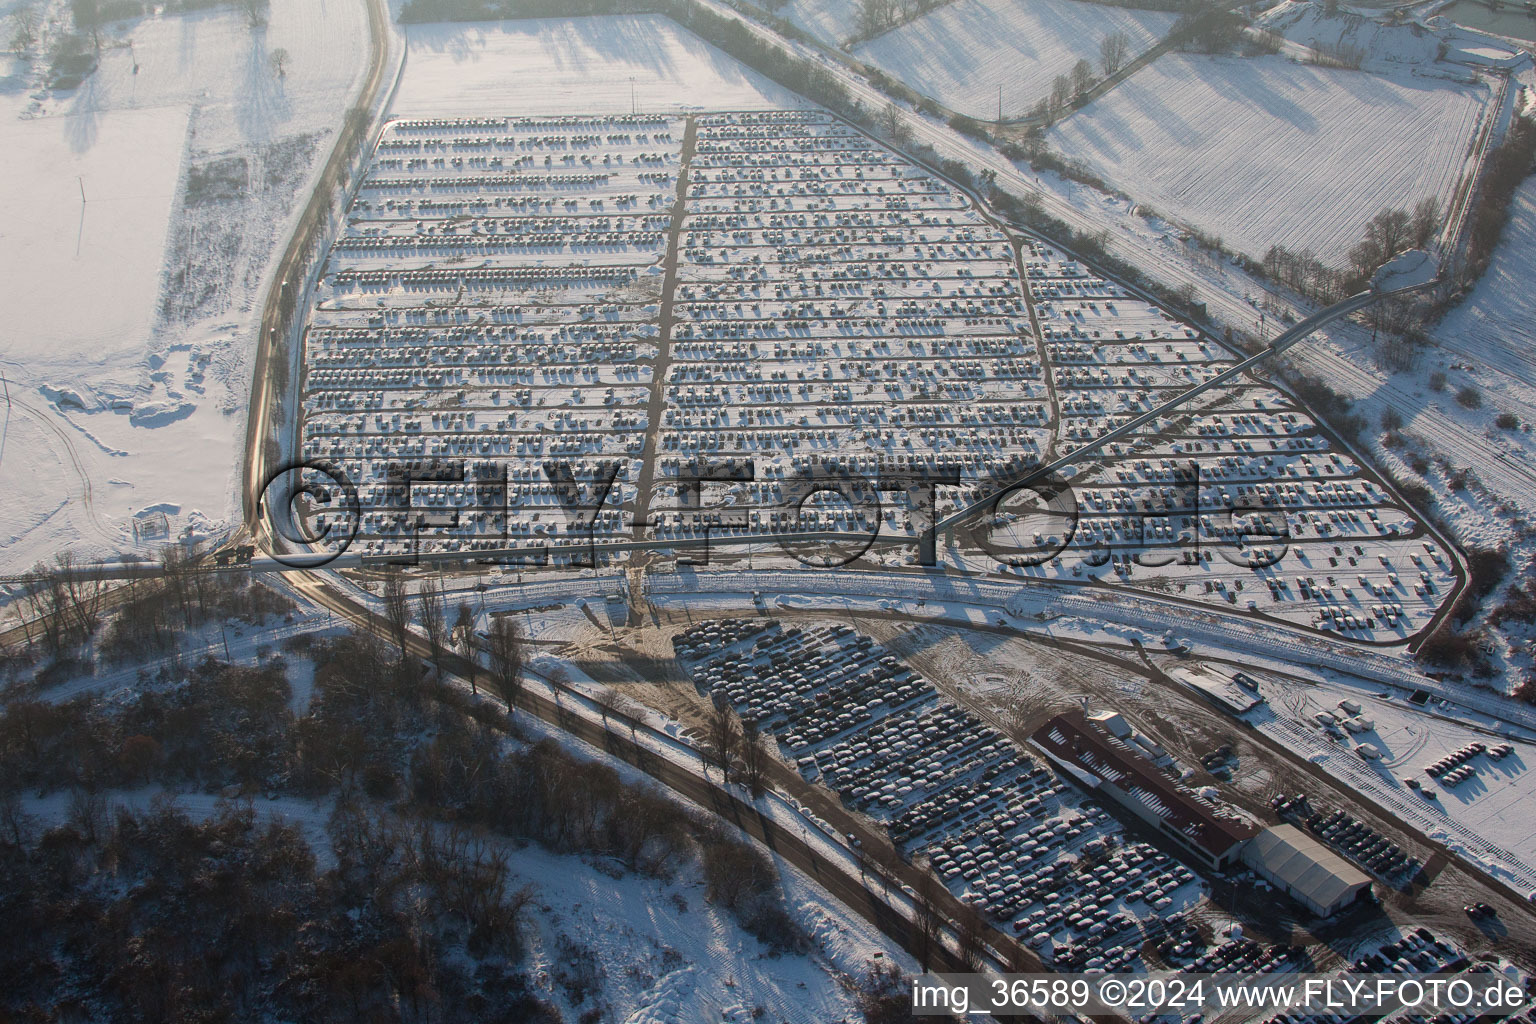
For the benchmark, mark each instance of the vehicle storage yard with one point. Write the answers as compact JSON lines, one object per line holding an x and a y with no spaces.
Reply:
{"x":531,"y":329}
{"x":1009,"y":833}
{"x":998,"y":826}
{"x":775,"y":499}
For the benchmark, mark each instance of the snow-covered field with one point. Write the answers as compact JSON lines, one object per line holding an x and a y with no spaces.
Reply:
{"x":574,"y":66}
{"x":1492,"y":807}
{"x":1264,"y":151}
{"x":962,"y":52}
{"x":831,"y":21}
{"x":127,"y":368}
{"x":126,"y":163}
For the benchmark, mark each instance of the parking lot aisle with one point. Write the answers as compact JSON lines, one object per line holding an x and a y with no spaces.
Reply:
{"x":658,"y":398}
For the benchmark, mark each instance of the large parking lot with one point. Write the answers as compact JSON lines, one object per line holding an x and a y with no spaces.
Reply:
{"x":1007,"y":832}
{"x":533,"y":331}
{"x":997,"y":825}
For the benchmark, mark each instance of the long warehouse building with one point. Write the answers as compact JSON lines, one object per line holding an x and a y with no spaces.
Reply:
{"x":1307,"y":870}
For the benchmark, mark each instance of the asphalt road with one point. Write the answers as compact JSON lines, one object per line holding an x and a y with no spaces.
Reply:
{"x":283,"y":291}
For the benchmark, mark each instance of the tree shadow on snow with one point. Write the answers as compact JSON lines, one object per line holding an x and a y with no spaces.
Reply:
{"x":263,"y":103}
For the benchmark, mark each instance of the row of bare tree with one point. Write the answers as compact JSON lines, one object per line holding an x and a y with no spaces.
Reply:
{"x":503,"y":646}
{"x":735,"y":747}
{"x":62,"y":604}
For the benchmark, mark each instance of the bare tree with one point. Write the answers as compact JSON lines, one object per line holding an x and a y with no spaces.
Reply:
{"x":176,"y":567}
{"x":255,"y":11}
{"x":1426,"y":220}
{"x":608,"y":703}
{"x":464,"y":635}
{"x":724,"y":738}
{"x":1061,"y":92}
{"x":930,"y":922}
{"x":875,"y":16}
{"x":754,"y":757}
{"x":506,"y":657}
{"x":1113,"y":49}
{"x":15,"y":823}
{"x":969,"y":937}
{"x":88,"y":813}
{"x":397,"y":610}
{"x":895,"y":124}
{"x":1387,"y":234}
{"x":279,"y":59}
{"x":25,"y":24}
{"x":1392,"y":230}
{"x":83,"y":589}
{"x":86,"y":15}
{"x":434,"y":620}
{"x":43,"y":592}
{"x":1082,"y":77}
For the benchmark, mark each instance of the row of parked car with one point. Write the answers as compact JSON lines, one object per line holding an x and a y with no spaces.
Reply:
{"x":1416,"y":952}
{"x":998,"y":827}
{"x":1451,"y":762}
{"x":1351,"y":837}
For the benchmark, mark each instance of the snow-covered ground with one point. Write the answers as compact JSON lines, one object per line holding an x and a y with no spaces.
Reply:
{"x":1308,"y":25}
{"x":84,"y":203}
{"x":717,"y":972}
{"x":1491,"y":808}
{"x":574,"y":66}
{"x":1263,"y":151}
{"x":960,"y":53}
{"x":128,"y":368}
{"x":1495,"y":326}
{"x":831,"y":21}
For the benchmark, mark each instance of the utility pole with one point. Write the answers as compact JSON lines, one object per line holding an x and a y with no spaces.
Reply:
{"x":999,"y":102}
{"x":80,"y":231}
{"x":632,"y":107}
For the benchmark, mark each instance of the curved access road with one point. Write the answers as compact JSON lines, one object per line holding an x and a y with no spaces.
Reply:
{"x":283,"y":290}
{"x":1318,"y":320}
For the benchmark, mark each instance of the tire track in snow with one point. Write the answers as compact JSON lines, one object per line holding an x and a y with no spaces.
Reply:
{"x":85,"y":493}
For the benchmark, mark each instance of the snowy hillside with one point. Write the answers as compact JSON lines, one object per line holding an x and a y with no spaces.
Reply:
{"x":962,"y":52}
{"x":1496,"y":325}
{"x":1306,"y":24}
{"x":1491,"y":336}
{"x":1265,"y":151}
